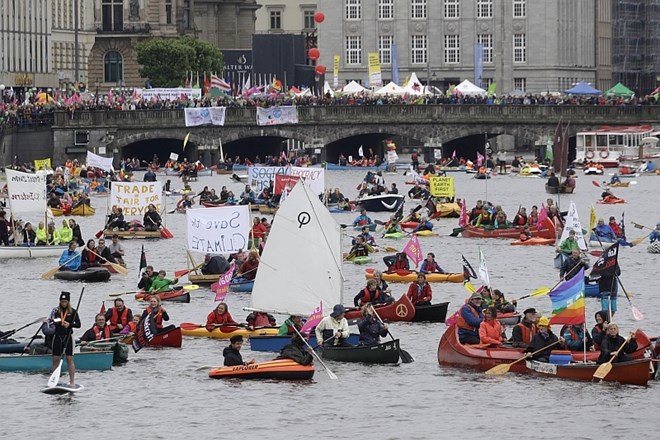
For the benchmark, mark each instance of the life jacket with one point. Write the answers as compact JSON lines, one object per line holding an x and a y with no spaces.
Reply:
{"x":462,"y":323}
{"x":418,"y":294}
{"x":521,"y":220}
{"x":91,"y":258}
{"x":261,"y":320}
{"x":367,"y":296}
{"x":118,"y":319}
{"x":432,"y":267}
{"x":526,"y":332}
{"x":597,"y":330}
{"x":574,"y":335}
{"x":101,"y":334}
{"x":398,"y":265}
{"x":158,"y":317}
{"x":132,"y":326}
{"x":361,"y":250}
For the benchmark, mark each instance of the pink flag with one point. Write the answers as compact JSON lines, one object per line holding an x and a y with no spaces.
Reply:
{"x":463,"y":219}
{"x":543,"y":215}
{"x":110,"y":95}
{"x":413,"y":250}
{"x":313,"y":320}
{"x":222,"y":285}
{"x":480,"y":159}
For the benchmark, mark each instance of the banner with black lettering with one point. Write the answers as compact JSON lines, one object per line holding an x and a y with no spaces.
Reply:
{"x":221,"y":230}
{"x":144,"y":333}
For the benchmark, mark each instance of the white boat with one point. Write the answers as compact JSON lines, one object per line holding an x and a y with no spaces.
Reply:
{"x":609,"y":145}
{"x":301,"y":264}
{"x":31,"y":252}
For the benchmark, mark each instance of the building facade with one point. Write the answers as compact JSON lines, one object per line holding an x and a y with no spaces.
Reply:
{"x":285,"y":16}
{"x":528,"y":45}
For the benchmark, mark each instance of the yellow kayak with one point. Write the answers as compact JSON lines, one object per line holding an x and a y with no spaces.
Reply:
{"x":404,"y":276}
{"x":192,"y":329}
{"x":425,"y":233}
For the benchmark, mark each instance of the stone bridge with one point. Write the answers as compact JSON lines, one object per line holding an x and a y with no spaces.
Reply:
{"x":323,"y":125}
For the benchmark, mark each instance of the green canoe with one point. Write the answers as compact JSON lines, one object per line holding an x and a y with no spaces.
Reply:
{"x":385,"y":353}
{"x":119,"y":350}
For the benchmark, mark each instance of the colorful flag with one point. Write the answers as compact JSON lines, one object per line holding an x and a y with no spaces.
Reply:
{"x":593,"y":219}
{"x":219,"y":83}
{"x":221,"y":286}
{"x":143,"y":264}
{"x":607,"y":263}
{"x":313,"y":319}
{"x":144,"y":333}
{"x":480,"y":159}
{"x":277,"y":85}
{"x":543,"y":216}
{"x":207,"y":84}
{"x":413,"y":250}
{"x":483,"y":269}
{"x":468,"y":271}
{"x":463,"y":220}
{"x":568,"y":301}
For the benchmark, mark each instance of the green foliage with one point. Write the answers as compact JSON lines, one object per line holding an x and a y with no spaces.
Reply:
{"x":165,"y":61}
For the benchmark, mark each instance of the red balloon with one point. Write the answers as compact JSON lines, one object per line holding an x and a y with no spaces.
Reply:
{"x":320,"y":69}
{"x":319,"y":17}
{"x":314,"y":54}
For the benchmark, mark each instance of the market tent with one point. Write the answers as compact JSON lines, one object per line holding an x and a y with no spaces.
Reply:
{"x":390,"y":89}
{"x":582,"y":88}
{"x":415,"y":86}
{"x":620,"y":90}
{"x":327,"y":89}
{"x":353,"y":87}
{"x":469,"y":89}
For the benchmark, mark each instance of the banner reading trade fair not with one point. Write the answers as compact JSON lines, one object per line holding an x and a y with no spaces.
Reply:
{"x":134,"y":197}
{"x":221,"y":230}
{"x":441,"y":186}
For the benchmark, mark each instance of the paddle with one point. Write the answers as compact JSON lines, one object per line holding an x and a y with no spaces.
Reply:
{"x":180,"y":273}
{"x":637,"y":314}
{"x":538,"y":292}
{"x":27,"y":347}
{"x":123,"y":293}
{"x":406,"y":358}
{"x":189,"y":287}
{"x":501,"y":369}
{"x":117,"y":267}
{"x":100,"y":341}
{"x":331,"y":375}
{"x":596,"y":184}
{"x":637,"y":241}
{"x":49,"y":274}
{"x":604,"y":369}
{"x":54,"y":378}
{"x":12,"y":332}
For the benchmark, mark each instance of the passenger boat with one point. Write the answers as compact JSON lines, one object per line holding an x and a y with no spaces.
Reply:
{"x":383,"y":353}
{"x":225,"y":332}
{"x":276,"y":343}
{"x":31,"y":251}
{"x":118,"y":349}
{"x":178,"y":295}
{"x":431,"y":313}
{"x":547,"y":231}
{"x":406,"y":276}
{"x":99,"y":360}
{"x":90,"y":275}
{"x":635,"y":372}
{"x":82,"y":210}
{"x":169,"y":337}
{"x":610,"y":145}
{"x":280,"y":369}
{"x":400,"y":310}
{"x":381,"y":203}
{"x":618,"y":185}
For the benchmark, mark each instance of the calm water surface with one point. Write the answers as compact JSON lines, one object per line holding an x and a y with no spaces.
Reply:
{"x":160,"y":393}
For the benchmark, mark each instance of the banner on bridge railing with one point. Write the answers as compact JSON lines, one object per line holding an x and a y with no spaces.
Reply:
{"x":204,"y":115}
{"x":277,"y":115}
{"x":171,"y":94}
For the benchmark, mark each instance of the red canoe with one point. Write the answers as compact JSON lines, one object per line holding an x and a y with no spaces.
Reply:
{"x":401,"y":310}
{"x":547,"y":231}
{"x":635,"y":372}
{"x":178,"y":295}
{"x":169,"y":338}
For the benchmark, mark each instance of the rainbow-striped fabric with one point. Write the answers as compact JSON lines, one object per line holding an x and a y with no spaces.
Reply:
{"x":568,"y":301}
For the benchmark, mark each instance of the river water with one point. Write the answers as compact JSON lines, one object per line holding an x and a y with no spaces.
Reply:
{"x":160,"y":393}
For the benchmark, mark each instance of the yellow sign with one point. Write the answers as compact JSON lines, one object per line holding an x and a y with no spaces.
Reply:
{"x":42,"y":164}
{"x":442,"y":186}
{"x":375,"y":77}
{"x":335,"y":70}
{"x":23,"y":79}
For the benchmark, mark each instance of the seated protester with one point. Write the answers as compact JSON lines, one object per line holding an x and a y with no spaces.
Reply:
{"x":77,"y":234}
{"x":470,"y":317}
{"x":29,"y":236}
{"x":615,"y":179}
{"x":396,"y":262}
{"x":290,"y":325}
{"x":260,"y":319}
{"x":394,"y":189}
{"x":521,"y":217}
{"x":297,"y":351}
{"x":162,"y":284}
{"x":219,"y":315}
{"x":371,"y":328}
{"x":523,"y":332}
{"x":371,"y":294}
{"x":157,"y":313}
{"x":418,"y":192}
{"x":333,"y":330}
{"x":116,"y":249}
{"x":612,"y":341}
{"x":484,"y":218}
{"x":249,"y":268}
{"x":367,"y":238}
{"x":476,"y":212}
{"x":184,"y":203}
{"x":533,"y":217}
{"x":553,"y":181}
{"x":152,"y":220}
{"x":105,"y":256}
{"x":258,"y":228}
{"x":116,"y":219}
{"x":424,"y":225}
{"x":569,"y":182}
{"x":65,"y":232}
{"x":615,"y":227}
{"x":603,"y":232}
{"x":430,"y":265}
{"x":42,"y":235}
{"x":419,"y":292}
{"x":362,"y":219}
{"x":119,"y":316}
{"x":525,"y":234}
{"x":490,"y":329}
{"x":215,"y":265}
{"x":98,"y":331}
{"x":600,"y":329}
{"x":89,"y":257}
{"x":345,"y":204}
{"x":501,"y":304}
{"x":359,"y":249}
{"x":543,"y":339}
{"x":82,"y":200}
{"x":392,"y":226}
{"x":232,"y":353}
{"x":413,"y":216}
{"x":487,"y":296}
{"x":70,"y":259}
{"x":147,"y":278}
{"x":247,"y":196}
{"x":132,"y":325}
{"x":572,"y":265}
{"x":500,"y":220}
{"x":574,"y":337}
{"x":569,"y":244}
{"x":655,"y":234}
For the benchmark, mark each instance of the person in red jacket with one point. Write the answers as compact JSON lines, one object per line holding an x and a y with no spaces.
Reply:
{"x":219,"y":315}
{"x":258,"y":228}
{"x":490,"y":330}
{"x":249,"y":269}
{"x":419,"y":292}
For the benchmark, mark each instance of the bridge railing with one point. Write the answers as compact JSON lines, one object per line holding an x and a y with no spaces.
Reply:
{"x":399,"y":114}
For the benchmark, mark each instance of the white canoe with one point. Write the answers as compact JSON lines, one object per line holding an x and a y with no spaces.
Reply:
{"x":31,"y":252}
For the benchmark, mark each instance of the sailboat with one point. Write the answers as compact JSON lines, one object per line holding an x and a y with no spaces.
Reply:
{"x":27,"y":195}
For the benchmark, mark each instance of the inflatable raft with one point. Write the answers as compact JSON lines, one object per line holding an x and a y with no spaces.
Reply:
{"x":281,"y":369}
{"x":404,"y":276}
{"x":91,"y":275}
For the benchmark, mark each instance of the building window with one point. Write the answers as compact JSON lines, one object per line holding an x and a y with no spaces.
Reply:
{"x":186,"y":14}
{"x":417,"y":9}
{"x":113,"y":15}
{"x":452,"y":9}
{"x":418,"y":47}
{"x":519,"y":8}
{"x":308,"y":19}
{"x":484,"y":8}
{"x":353,"y":49}
{"x":519,"y":48}
{"x":275,"y":19}
{"x":353,"y":9}
{"x":486,"y":40}
{"x":385,"y":9}
{"x":113,"y":70}
{"x":520,"y":84}
{"x":385,"y":48}
{"x":168,"y":11}
{"x":452,"y":49}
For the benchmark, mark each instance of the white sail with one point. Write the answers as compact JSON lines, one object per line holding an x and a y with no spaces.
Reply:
{"x":27,"y":192}
{"x":301,"y":263}
{"x":572,"y":221}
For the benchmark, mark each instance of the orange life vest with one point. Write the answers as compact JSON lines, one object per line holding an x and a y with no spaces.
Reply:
{"x":101,"y":334}
{"x":367,"y":298}
{"x":526,"y":332}
{"x":462,"y":323}
{"x":158,"y":318}
{"x":118,"y":319}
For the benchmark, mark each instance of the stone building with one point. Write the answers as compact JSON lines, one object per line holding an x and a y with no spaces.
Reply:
{"x":529,"y":45}
{"x":285,"y":16}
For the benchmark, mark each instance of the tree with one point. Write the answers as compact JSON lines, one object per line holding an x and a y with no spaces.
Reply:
{"x":166,"y":61}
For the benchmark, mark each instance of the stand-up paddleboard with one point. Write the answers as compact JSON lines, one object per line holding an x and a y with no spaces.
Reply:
{"x":62,"y":388}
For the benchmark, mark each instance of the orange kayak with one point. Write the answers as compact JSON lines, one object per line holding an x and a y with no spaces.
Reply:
{"x":282,"y":369}
{"x":534,"y":241}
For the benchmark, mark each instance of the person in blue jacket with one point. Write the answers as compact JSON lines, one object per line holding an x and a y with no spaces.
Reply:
{"x":574,"y":338}
{"x":470,"y":317}
{"x":70,"y":259}
{"x":362,"y":219}
{"x":430,"y":265}
{"x":655,"y":234}
{"x":371,"y":328}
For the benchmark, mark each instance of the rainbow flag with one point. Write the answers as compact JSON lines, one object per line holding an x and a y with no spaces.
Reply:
{"x":568,"y":301}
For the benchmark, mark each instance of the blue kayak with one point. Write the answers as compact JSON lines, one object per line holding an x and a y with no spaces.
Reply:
{"x":276,"y":343}
{"x":12,"y":347}
{"x":241,"y":285}
{"x":97,"y":360}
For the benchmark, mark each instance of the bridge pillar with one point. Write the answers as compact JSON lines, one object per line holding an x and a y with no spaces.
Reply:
{"x":214,"y":157}
{"x":206,"y":158}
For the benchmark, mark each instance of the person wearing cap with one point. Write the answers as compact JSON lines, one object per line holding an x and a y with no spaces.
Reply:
{"x":541,"y":340}
{"x":655,"y":234}
{"x":118,"y":316}
{"x":419,"y":292}
{"x":569,"y":243}
{"x":612,"y":341}
{"x":63,"y":319}
{"x":470,"y":317}
{"x":232,"y":353}
{"x":371,"y":328}
{"x":333,"y":329}
{"x":70,"y":259}
{"x":42,"y":235}
{"x":215,"y":265}
{"x":490,"y":329}
{"x":287,"y":327}
{"x":523,"y":332}
{"x":615,"y":179}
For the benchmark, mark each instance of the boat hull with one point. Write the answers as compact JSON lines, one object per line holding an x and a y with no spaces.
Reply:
{"x":277,"y":343}
{"x":179,"y":295}
{"x":132,"y":234}
{"x":534,"y":241}
{"x":401,"y":310}
{"x":91,"y":275}
{"x":410,"y":277}
{"x":119,"y":351}
{"x":12,"y":347}
{"x":635,"y":372}
{"x":244,"y":286}
{"x":431,"y":313}
{"x":381,"y":203}
{"x":192,"y":329}
{"x":559,"y":189}
{"x":547,"y":231}
{"x":169,"y":338}
{"x":203,"y":279}
{"x":31,"y":252}
{"x":99,"y":360}
{"x":281,"y":369}
{"x":384,"y":353}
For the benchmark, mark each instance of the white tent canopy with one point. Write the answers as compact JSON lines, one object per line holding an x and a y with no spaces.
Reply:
{"x":327,"y":89}
{"x":390,"y":89}
{"x":353,"y":87}
{"x":415,"y":86}
{"x":469,"y":89}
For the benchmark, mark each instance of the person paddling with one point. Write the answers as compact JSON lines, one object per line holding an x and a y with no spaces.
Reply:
{"x":98,"y":331}
{"x":62,"y":320}
{"x":232,"y":353}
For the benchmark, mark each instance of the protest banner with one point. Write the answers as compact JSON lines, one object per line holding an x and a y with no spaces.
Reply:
{"x":221,"y":230}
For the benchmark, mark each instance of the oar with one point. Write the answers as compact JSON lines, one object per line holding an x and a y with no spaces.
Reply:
{"x":123,"y":293}
{"x":100,"y":341}
{"x":595,"y":183}
{"x":406,"y":358}
{"x":638,"y":240}
{"x":639,"y":226}
{"x":331,"y":375}
{"x":49,"y":274}
{"x":635,"y":311}
{"x":180,"y":273}
{"x":118,"y":267}
{"x":55,"y":377}
{"x":13,"y":332}
{"x":604,"y":369}
{"x":501,"y":369}
{"x":538,"y":292}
